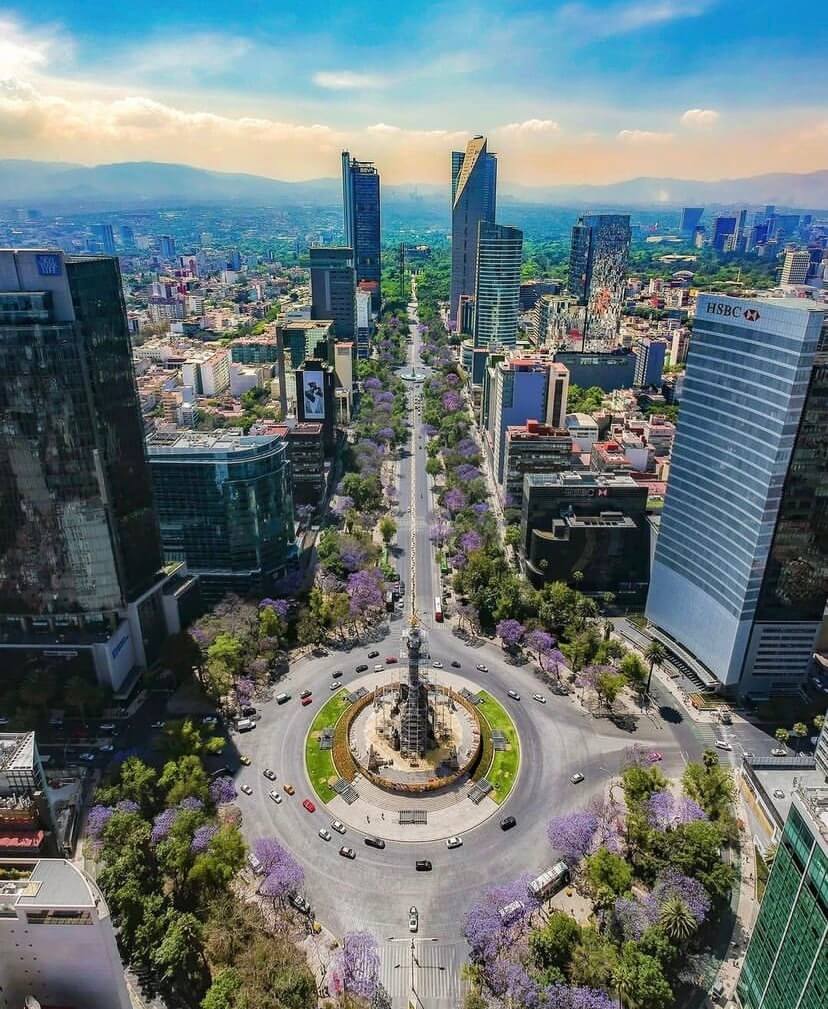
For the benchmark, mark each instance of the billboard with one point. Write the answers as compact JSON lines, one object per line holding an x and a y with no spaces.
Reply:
{"x":313,"y":393}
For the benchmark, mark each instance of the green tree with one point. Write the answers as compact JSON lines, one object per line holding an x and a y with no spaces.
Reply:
{"x":310,"y":628}
{"x":224,"y":662}
{"x":222,"y":992}
{"x":676,"y":918}
{"x":640,"y":981}
{"x":819,"y":721}
{"x":800,"y":732}
{"x":639,"y":783}
{"x":183,"y":778}
{"x":213,"y":870}
{"x":608,"y":876}
{"x":633,"y":668}
{"x":512,"y":536}
{"x":655,"y":943}
{"x":655,"y":654}
{"x":608,"y":686}
{"x":137,"y":781}
{"x":184,"y":736}
{"x":593,"y":960}
{"x":710,"y":785}
{"x":387,"y":529}
{"x":271,"y":625}
{"x":433,"y":466}
{"x":551,"y":946}
{"x":179,"y":955}
{"x":782,"y":736}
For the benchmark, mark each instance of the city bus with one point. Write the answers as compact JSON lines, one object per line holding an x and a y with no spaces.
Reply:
{"x":438,"y":610}
{"x":549,"y":882}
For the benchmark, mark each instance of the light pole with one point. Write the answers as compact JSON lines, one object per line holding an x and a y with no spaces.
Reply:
{"x":414,"y":965}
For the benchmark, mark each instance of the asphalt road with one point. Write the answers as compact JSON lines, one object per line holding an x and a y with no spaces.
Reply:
{"x":375,"y":890}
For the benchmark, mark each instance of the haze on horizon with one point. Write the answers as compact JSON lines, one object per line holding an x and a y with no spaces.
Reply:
{"x":587,"y":92}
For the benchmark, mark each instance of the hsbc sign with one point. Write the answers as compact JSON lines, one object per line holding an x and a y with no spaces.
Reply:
{"x":729,"y":311}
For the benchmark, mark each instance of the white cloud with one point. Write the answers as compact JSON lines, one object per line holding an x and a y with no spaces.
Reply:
{"x":589,"y":22}
{"x":700,"y":118}
{"x":644,"y":137}
{"x":347,"y":80}
{"x":20,"y":53}
{"x":530,"y":127}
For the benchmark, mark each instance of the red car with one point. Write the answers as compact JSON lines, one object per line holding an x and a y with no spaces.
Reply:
{"x":309,"y":806}
{"x":390,"y":659}
{"x":306,"y":701}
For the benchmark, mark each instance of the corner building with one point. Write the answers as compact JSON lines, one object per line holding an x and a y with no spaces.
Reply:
{"x":739,"y":572}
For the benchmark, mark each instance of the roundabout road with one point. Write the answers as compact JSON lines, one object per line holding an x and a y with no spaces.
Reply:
{"x":375,"y":890}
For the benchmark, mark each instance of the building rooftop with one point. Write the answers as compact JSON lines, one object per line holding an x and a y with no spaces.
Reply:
{"x":52,"y":883}
{"x":580,"y":420}
{"x":17,"y":751}
{"x":228,"y":440}
{"x":587,"y":479}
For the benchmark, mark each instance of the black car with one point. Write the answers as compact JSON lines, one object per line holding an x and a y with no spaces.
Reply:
{"x":362,"y":668}
{"x":375,"y":842}
{"x":508,"y":822}
{"x":337,"y":673}
{"x":248,"y":710}
{"x":422,"y":865}
{"x":455,"y":664}
{"x":372,"y":655}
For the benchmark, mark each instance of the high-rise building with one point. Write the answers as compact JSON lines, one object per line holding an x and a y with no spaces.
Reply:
{"x":106,"y":237}
{"x":364,"y":322}
{"x":723,"y":228}
{"x":127,"y":236}
{"x":79,"y":545}
{"x":76,"y":964}
{"x":333,"y":289}
{"x":167,"y":246}
{"x":473,"y":199}
{"x":690,"y":220}
{"x":533,"y":447}
{"x":786,"y":962}
{"x":649,"y":362}
{"x":225,"y":504}
{"x":497,"y":285}
{"x":739,"y":573}
{"x":361,"y":202}
{"x":598,"y":260}
{"x":796,"y":266}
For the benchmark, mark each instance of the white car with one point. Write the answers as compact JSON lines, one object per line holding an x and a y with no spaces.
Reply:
{"x":106,"y":748}
{"x":437,"y":664}
{"x":158,"y":725}
{"x":482,"y":668}
{"x":335,"y":685}
{"x":513,"y":694}
{"x":539,"y":698}
{"x":577,"y":778}
{"x":778,"y":793}
{"x":413,"y":919}
{"x":779,"y":751}
{"x":338,"y":826}
{"x":379,"y":667}
{"x":247,"y":789}
{"x":276,"y":797}
{"x":324,"y":834}
{"x":87,"y":758}
{"x":454,"y":842}
{"x":723,"y":744}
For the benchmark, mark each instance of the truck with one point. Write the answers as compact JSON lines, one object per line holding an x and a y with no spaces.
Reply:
{"x":550,"y":881}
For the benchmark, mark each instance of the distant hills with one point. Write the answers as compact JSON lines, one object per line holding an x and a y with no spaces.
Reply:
{"x":137,"y":183}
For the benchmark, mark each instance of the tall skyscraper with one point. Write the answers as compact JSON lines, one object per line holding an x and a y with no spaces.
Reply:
{"x":690,"y":220}
{"x":497,"y":285}
{"x":361,"y":202}
{"x":167,"y":246}
{"x":598,"y":260}
{"x":79,"y":542}
{"x":473,"y":199}
{"x":333,"y":288}
{"x":786,"y":963}
{"x":723,"y":228}
{"x":739,"y":573}
{"x":106,"y":237}
{"x":796,"y":266}
{"x":650,"y":356}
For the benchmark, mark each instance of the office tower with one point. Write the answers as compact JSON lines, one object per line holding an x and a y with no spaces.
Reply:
{"x":465,"y":315}
{"x":555,"y":318}
{"x":127,"y":236}
{"x":473,"y":199}
{"x":533,"y":447}
{"x":225,"y":504}
{"x":610,"y":370}
{"x":76,"y":964}
{"x":497,"y":285}
{"x":757,"y":235}
{"x":167,"y":246}
{"x":557,"y":395}
{"x":649,"y":362}
{"x":786,"y":962}
{"x":690,"y":220}
{"x":679,"y":346}
{"x":106,"y":237}
{"x":770,"y":211}
{"x":796,"y":266}
{"x":361,"y":203}
{"x":738,"y":585}
{"x":598,"y":272}
{"x":79,"y":545}
{"x":740,"y":231}
{"x":333,"y":289}
{"x":364,"y":322}
{"x":723,"y":228}
{"x":234,"y":261}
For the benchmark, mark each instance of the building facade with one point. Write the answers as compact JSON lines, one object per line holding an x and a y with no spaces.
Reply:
{"x":795,"y":267}
{"x":598,"y":259}
{"x":225,"y":504}
{"x":650,"y":356}
{"x":739,"y":574}
{"x":361,"y":203}
{"x":609,"y":371}
{"x":333,"y":289}
{"x":690,"y":220}
{"x":497,"y":285}
{"x":786,"y":962}
{"x":473,"y":199}
{"x":533,"y":448}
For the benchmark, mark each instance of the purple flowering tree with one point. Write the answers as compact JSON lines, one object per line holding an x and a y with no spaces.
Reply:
{"x":365,"y":592}
{"x":202,"y":836}
{"x":372,"y":383}
{"x":510,"y":632}
{"x":222,"y":790}
{"x":552,"y":661}
{"x":127,"y":806}
{"x":562,"y":996}
{"x":480,"y":509}
{"x":281,"y":607}
{"x":455,"y":500}
{"x":355,"y":970}
{"x":342,"y":503}
{"x":283,"y":874}
{"x":163,"y":823}
{"x":490,"y":937}
{"x":672,"y":883}
{"x":439,"y":531}
{"x":665,"y":810}
{"x":471,"y":541}
{"x":538,"y":641}
{"x":572,"y":834}
{"x":96,"y":820}
{"x":467,"y":448}
{"x":451,"y":401}
{"x":634,"y":917}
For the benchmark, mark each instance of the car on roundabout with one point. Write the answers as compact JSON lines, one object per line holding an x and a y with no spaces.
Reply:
{"x":513,"y":694}
{"x":577,"y":778}
{"x":508,"y":822}
{"x":347,"y":852}
{"x":247,"y":789}
{"x":270,"y":775}
{"x":375,"y":842}
{"x":481,"y":668}
{"x":437,"y":664}
{"x":423,"y":865}
{"x":337,"y":673}
{"x":309,"y":806}
{"x":324,"y":834}
{"x":413,"y":919}
{"x":378,"y":668}
{"x":289,"y":789}
{"x":338,"y":826}
{"x":390,"y":660}
{"x":274,"y":795}
{"x":304,"y":694}
{"x":306,"y":701}
{"x":361,"y":668}
{"x":454,"y":842}
{"x":244,"y":759}
{"x":455,"y":664}
{"x":335,"y":685}
{"x":539,"y":698}
{"x":373,"y":655}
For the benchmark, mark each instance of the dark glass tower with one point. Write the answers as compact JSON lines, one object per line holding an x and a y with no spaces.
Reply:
{"x":78,"y":533}
{"x":598,"y":259}
{"x":361,"y":203}
{"x":473,"y":199}
{"x":333,"y":289}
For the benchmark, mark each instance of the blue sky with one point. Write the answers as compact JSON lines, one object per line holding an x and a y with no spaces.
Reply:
{"x":589,"y":91}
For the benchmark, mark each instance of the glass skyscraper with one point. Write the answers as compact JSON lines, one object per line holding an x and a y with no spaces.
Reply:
{"x":226,"y":507}
{"x":786,"y":963}
{"x":473,"y":199}
{"x":739,"y":573}
{"x":361,"y":203}
{"x":333,"y":289}
{"x":497,"y":285}
{"x":598,"y":259}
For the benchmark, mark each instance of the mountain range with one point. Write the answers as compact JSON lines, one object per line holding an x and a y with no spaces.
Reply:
{"x":149,"y":183}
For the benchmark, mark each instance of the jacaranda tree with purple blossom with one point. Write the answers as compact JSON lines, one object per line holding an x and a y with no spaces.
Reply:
{"x":538,"y":641}
{"x":489,"y":935}
{"x":202,"y":837}
{"x":455,"y":500}
{"x":510,"y":632}
{"x":283,"y":875}
{"x":573,"y":833}
{"x":355,"y":970}
{"x":665,"y":810}
{"x":222,"y":790}
{"x":365,"y":591}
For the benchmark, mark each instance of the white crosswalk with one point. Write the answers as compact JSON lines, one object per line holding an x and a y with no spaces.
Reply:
{"x":434,"y":969}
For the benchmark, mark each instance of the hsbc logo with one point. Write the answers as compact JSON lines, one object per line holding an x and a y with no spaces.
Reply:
{"x":732,"y":311}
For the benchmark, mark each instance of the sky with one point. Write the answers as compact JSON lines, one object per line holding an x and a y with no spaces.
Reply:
{"x":582,"y":92}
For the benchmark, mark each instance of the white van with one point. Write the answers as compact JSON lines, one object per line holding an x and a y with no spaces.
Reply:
{"x":282,"y":698}
{"x":245,"y":725}
{"x":255,"y":864}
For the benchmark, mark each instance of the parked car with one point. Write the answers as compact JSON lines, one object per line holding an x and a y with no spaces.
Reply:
{"x":508,"y":822}
{"x":309,"y":806}
{"x":248,"y":710}
{"x":423,"y":865}
{"x":209,"y":720}
{"x":346,"y":852}
{"x":539,"y":698}
{"x":106,"y":748}
{"x":300,"y":903}
{"x":107,"y":727}
{"x":255,"y":864}
{"x":413,"y":919}
{"x":375,"y":842}
{"x":155,"y":725}
{"x":289,"y":789}
{"x":87,"y":758}
{"x":270,"y":775}
{"x":304,"y":694}
{"x":454,"y":842}
{"x":247,"y":789}
{"x":245,"y":725}
{"x":779,"y":751}
{"x":390,"y":659}
{"x":577,"y":778}
{"x":324,"y":834}
{"x":274,"y":795}
{"x":338,"y":826}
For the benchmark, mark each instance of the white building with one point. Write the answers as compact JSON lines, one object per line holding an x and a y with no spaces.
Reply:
{"x":583,"y":429}
{"x":796,"y":266}
{"x":76,"y":964}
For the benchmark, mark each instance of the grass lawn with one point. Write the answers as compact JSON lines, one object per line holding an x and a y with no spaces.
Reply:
{"x":505,"y":763}
{"x":319,"y":763}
